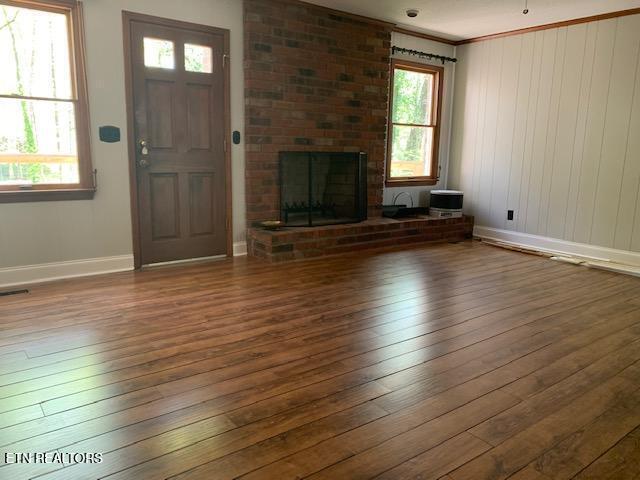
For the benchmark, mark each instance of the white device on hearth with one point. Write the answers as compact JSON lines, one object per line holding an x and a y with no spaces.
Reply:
{"x":446,"y":203}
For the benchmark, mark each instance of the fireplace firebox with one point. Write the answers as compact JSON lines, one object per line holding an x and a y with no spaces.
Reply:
{"x":322,"y":188}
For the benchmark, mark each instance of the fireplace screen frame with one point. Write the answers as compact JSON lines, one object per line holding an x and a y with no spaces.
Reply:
{"x":360,"y":186}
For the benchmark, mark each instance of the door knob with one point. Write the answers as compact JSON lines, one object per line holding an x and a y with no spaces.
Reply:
{"x":144,"y":149}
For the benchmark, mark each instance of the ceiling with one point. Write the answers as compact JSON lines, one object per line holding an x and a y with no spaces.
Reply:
{"x":462,"y":19}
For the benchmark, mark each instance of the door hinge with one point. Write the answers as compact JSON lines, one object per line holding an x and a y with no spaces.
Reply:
{"x":224,"y":143}
{"x":95,"y":178}
{"x":225,"y":57}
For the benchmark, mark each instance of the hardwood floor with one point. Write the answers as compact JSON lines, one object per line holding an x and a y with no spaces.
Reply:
{"x":450,"y":361}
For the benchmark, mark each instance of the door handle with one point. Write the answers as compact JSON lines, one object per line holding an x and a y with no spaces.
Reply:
{"x":144,"y":147}
{"x":144,"y":151}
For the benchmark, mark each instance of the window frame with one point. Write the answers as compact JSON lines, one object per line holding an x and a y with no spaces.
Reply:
{"x":85,"y":189}
{"x":436,"y":115}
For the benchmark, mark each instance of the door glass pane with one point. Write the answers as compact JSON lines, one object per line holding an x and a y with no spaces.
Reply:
{"x":411,"y":151}
{"x":197,"y":58}
{"x":412,"y":97}
{"x":159,"y":53}
{"x":34,"y":53}
{"x":37,"y":142}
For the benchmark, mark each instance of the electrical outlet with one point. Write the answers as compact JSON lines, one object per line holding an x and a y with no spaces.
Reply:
{"x":509,"y":214}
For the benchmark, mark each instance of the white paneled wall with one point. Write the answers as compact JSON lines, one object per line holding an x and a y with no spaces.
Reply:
{"x":548,"y":124}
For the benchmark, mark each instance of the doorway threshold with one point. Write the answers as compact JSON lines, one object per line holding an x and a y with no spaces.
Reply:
{"x":186,"y":260}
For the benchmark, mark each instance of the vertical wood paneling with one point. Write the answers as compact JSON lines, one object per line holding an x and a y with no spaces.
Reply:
{"x":466,"y":108}
{"x":490,"y":130}
{"x":560,"y":170}
{"x":480,"y":127}
{"x":628,"y":216}
{"x":459,"y":110}
{"x":594,"y":132}
{"x":506,"y":120}
{"x":548,"y":126}
{"x":541,"y":129}
{"x":529,"y":140}
{"x":552,"y":129}
{"x":579,"y":136}
{"x":523,"y":105}
{"x":616,"y":132}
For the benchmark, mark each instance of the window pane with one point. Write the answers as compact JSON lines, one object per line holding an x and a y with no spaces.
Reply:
{"x":411,"y":151}
{"x":34,"y":53}
{"x":37,"y":142}
{"x":197,"y":58}
{"x":412,"y":97}
{"x":158,"y":53}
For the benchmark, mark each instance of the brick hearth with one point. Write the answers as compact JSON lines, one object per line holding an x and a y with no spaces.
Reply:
{"x":303,"y":242}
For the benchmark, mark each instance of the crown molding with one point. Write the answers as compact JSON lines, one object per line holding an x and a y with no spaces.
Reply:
{"x":547,"y":26}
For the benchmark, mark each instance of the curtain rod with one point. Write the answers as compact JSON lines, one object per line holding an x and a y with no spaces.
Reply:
{"x":430,"y":56}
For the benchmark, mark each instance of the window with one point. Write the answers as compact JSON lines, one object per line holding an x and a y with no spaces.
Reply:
{"x":158,"y":53}
{"x":198,"y":58}
{"x":44,"y":133}
{"x":414,"y":124}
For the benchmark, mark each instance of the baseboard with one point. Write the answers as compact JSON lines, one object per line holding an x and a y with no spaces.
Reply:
{"x":239,"y":249}
{"x":558,"y":247}
{"x":46,"y":272}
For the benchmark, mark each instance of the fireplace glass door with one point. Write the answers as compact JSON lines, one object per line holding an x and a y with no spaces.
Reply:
{"x":322,"y":188}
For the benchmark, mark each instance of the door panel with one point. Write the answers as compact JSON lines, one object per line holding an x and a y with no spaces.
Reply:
{"x":160,"y":117}
{"x":179,"y":111}
{"x":201,"y":207}
{"x":165,"y":206}
{"x":199,"y":116}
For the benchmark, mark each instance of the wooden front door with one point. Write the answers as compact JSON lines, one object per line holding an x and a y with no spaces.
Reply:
{"x":179,"y":107}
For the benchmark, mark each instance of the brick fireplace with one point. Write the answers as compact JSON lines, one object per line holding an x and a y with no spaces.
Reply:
{"x":315,"y":80}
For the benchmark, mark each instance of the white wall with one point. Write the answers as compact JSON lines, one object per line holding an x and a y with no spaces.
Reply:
{"x":420,"y":194}
{"x":35,"y":233}
{"x":548,"y":124}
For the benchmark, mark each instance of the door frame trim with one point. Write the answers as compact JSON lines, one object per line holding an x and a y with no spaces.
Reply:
{"x":127,"y":19}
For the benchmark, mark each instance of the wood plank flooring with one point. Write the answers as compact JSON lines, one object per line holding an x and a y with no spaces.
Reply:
{"x":457,"y":361}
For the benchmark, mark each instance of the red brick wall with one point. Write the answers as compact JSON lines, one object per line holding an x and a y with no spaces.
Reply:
{"x":315,"y":79}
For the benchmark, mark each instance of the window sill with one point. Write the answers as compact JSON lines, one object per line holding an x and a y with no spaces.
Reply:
{"x":411,"y":183}
{"x":22,"y":196}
